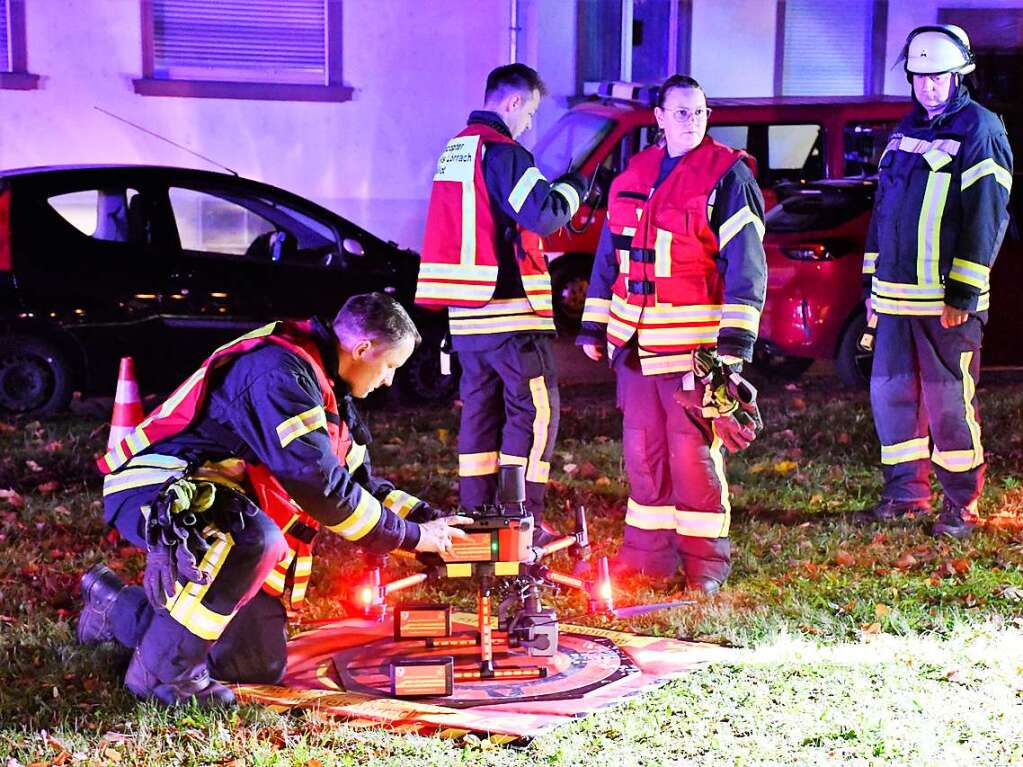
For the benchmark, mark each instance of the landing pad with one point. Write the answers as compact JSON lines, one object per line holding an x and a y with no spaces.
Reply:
{"x":341,"y":668}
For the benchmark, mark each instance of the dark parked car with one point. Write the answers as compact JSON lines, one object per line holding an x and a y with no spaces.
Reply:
{"x":814,"y":310}
{"x":165,"y":264}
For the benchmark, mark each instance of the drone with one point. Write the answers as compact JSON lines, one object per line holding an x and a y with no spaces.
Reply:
{"x":498,"y":553}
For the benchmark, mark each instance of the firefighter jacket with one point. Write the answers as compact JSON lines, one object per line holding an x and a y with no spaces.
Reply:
{"x":263,"y":415}
{"x":486,"y":191}
{"x":940,"y":213}
{"x":681,"y":261}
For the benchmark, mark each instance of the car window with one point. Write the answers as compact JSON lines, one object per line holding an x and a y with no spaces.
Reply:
{"x":209,"y":223}
{"x":735,"y":136}
{"x":104,"y":214}
{"x":794,"y":153}
{"x":864,"y":142}
{"x":814,"y":209}
{"x":565,"y":147}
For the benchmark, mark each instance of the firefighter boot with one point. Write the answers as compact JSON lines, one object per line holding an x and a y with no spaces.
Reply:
{"x":100,"y":589}
{"x":887,"y":510}
{"x":955,"y":521}
{"x":706,"y":562}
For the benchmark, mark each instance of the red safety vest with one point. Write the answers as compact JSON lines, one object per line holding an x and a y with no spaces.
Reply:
{"x":668,"y":290}
{"x":458,"y":266}
{"x":181,"y":409}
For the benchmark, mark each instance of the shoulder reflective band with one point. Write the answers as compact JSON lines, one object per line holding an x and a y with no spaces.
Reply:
{"x":520,"y":192}
{"x":303,"y":423}
{"x":983,"y":168}
{"x":736,"y":222}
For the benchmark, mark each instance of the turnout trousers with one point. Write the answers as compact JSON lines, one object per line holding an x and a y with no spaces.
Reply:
{"x":923,"y":391}
{"x":238,"y":630}
{"x":510,"y":410}
{"x":678,"y":509}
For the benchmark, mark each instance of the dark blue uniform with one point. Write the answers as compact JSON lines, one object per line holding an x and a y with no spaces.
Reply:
{"x":939,"y":219}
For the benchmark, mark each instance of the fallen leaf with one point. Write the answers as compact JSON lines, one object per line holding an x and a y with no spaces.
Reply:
{"x":906,"y":561}
{"x":843,"y":438}
{"x":881,"y":610}
{"x":785,"y":467}
{"x":61,"y":510}
{"x":6,"y":428}
{"x":844,"y":558}
{"x":872,"y":628}
{"x":570,"y":468}
{"x":53,"y":447}
{"x":13,"y":498}
{"x":112,"y":755}
{"x":588,"y":471}
{"x":961,"y":566}
{"x":48,"y":487}
{"x":1010,"y":592}
{"x":443,"y":435}
{"x":33,"y":466}
{"x":602,"y":482}
{"x":314,"y":763}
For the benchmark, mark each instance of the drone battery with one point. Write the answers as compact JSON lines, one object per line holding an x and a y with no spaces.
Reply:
{"x":476,"y":547}
{"x":412,"y":621}
{"x":424,"y":677}
{"x":514,"y":541}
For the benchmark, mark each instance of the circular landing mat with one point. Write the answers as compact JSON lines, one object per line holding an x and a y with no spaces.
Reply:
{"x":581,"y":664}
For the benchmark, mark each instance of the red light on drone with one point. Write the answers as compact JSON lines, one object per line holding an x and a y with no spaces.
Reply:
{"x":366,"y":595}
{"x":604,"y":591}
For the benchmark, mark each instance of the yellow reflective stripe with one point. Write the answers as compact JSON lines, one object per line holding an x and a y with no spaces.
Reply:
{"x":356,"y":456}
{"x":570,"y":194}
{"x":908,"y":308}
{"x":869,"y":263}
{"x":299,"y":425}
{"x":513,"y":324}
{"x":128,"y":478}
{"x":886,"y":289}
{"x":400,"y":502}
{"x":710,"y":202}
{"x":176,"y":398}
{"x":736,"y":222}
{"x":662,"y":253}
{"x":137,"y":440}
{"x":928,"y":232}
{"x":649,"y":517}
{"x":538,"y":291}
{"x":520,"y":192}
{"x":970,"y":272}
{"x":260,"y":332}
{"x":597,"y":310}
{"x":506,"y":459}
{"x":477,"y":272}
{"x":535,"y":471}
{"x":477,"y":464}
{"x":740,"y":316}
{"x":185,"y":605}
{"x":914,"y":449}
{"x":964,"y":460}
{"x":688,"y":336}
{"x":937,"y":158}
{"x":922,"y":146}
{"x":666,"y":363}
{"x":366,"y":514}
{"x":983,"y":168}
{"x":445,"y":291}
{"x":666,"y":314}
{"x":276,"y":581}
{"x":499,"y":307}
{"x":702,"y":524}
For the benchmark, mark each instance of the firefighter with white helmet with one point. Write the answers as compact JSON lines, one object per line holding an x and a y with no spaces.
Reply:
{"x":940,"y":215}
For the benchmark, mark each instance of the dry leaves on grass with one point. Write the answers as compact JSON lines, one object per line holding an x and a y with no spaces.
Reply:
{"x":13,"y":498}
{"x":844,"y":559}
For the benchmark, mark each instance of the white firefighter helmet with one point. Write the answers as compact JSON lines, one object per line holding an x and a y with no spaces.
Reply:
{"x":933,"y":50}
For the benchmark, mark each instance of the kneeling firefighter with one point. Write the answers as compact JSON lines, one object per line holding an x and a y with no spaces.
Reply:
{"x":226,"y":484}
{"x":677,"y":289}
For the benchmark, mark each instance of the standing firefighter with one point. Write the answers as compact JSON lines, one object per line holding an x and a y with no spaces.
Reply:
{"x":487,"y":196}
{"x":225,"y":486}
{"x":939,"y":219}
{"x":680,"y":271}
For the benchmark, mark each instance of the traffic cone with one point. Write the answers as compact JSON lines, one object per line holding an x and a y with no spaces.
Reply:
{"x":127,"y":404}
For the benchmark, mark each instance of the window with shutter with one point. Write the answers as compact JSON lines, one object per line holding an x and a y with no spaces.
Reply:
{"x":14,"y":73}
{"x":258,"y":49}
{"x":826,"y":47}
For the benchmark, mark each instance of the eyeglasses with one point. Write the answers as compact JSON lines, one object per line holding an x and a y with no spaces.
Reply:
{"x":683,"y":115}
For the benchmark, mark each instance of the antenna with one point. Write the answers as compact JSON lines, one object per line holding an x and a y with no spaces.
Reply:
{"x":210,"y":160}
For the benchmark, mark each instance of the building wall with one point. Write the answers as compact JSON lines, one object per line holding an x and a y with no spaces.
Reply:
{"x":733,"y":47}
{"x":417,"y":69}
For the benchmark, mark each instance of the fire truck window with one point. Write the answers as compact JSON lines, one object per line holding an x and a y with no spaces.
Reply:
{"x":208,"y":223}
{"x":794,"y":153}
{"x":735,"y":136}
{"x":864,"y":142}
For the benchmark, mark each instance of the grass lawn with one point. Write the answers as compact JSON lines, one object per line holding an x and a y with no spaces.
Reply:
{"x":852,"y":645}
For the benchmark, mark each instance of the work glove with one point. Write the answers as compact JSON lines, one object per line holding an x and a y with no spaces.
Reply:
{"x":424,"y":512}
{"x":729,"y":399}
{"x":734,"y":433}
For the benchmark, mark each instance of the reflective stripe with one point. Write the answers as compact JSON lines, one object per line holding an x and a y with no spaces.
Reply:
{"x":736,"y":222}
{"x":400,"y":502}
{"x":477,"y":464}
{"x":718,"y":459}
{"x":303,"y":569}
{"x":929,"y":228}
{"x":970,"y":272}
{"x":506,"y":459}
{"x":740,"y":316}
{"x":937,"y":158}
{"x":710,"y":202}
{"x":597,"y":310}
{"x":299,"y":425}
{"x":666,"y":363}
{"x":649,"y":517}
{"x":886,"y":289}
{"x":920,"y":146}
{"x":662,"y":254}
{"x":869,"y":263}
{"x":477,"y":272}
{"x":908,"y":308}
{"x":141,"y":471}
{"x":914,"y":449}
{"x":497,"y":308}
{"x":363,"y":518}
{"x":514,"y":324}
{"x":356,"y":456}
{"x":520,"y":192}
{"x":983,"y":168}
{"x":702,"y":524}
{"x":964,"y":460}
{"x":535,"y":471}
{"x":678,"y":336}
{"x":570,"y":194}
{"x":452,"y":291}
{"x":185,"y":606}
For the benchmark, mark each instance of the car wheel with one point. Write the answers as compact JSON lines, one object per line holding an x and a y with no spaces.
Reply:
{"x":570,"y":279}
{"x":35,"y":376}
{"x":851,"y":362}
{"x":779,"y":367}
{"x":421,"y":380}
